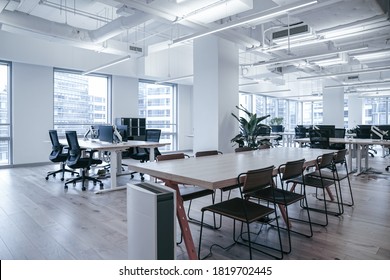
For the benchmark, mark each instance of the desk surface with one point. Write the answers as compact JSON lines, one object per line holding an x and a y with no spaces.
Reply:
{"x":350,"y":141}
{"x":99,"y":145}
{"x":214,"y":172}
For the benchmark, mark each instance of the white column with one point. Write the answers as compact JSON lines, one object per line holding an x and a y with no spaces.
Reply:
{"x":333,"y":107}
{"x":355,"y":111}
{"x":215,"y":93}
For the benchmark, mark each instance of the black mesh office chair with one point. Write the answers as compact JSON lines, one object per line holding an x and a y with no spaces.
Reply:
{"x":76,"y":159}
{"x":338,"y":133}
{"x":143,"y":154}
{"x":319,"y":138}
{"x":58,"y":155}
{"x":301,"y":132}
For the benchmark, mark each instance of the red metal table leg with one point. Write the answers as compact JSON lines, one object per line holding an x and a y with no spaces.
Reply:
{"x":183,"y":222}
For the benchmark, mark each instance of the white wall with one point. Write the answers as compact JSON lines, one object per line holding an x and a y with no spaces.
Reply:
{"x":32,"y":112}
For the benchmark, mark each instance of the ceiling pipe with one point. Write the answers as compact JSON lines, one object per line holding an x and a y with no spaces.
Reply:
{"x":159,"y":14}
{"x":64,"y":31}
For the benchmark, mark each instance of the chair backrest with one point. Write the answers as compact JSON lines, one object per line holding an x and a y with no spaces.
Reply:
{"x":56,"y":147}
{"x":207,"y":153}
{"x":339,"y":133}
{"x":265,"y":130}
{"x":152,"y":135}
{"x":54,"y":140}
{"x":171,"y":156}
{"x":256,"y":179}
{"x":339,"y":157}
{"x":74,"y":147}
{"x":325,"y":160}
{"x":319,"y":138}
{"x":300,"y":132}
{"x":291,"y":169}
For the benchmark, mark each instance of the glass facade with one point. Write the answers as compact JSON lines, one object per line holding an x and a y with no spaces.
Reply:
{"x":157,"y":103}
{"x":291,"y":111}
{"x":376,"y":110}
{"x":5,"y":114}
{"x":80,"y":101}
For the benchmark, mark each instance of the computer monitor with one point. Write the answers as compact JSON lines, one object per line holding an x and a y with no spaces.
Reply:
{"x":329,"y":128}
{"x":265,"y":131}
{"x":106,"y":133}
{"x":277,"y":128}
{"x":363,"y":131}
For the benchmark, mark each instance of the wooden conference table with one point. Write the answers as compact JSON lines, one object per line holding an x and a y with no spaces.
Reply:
{"x":116,"y":150}
{"x":360,"y":146}
{"x":214,"y":172}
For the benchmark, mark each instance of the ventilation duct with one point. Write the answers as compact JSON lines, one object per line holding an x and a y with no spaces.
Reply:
{"x":298,"y":30}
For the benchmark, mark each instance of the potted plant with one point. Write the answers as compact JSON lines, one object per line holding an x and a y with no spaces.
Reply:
{"x":250,"y":130}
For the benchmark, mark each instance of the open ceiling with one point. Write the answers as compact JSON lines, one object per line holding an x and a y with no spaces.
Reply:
{"x":287,"y":48}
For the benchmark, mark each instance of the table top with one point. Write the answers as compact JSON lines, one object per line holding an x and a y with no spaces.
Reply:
{"x":350,"y":140}
{"x":219,"y":171}
{"x":100,"y":145}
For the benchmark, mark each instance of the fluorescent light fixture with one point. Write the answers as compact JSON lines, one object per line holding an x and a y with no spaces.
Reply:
{"x":218,"y":10}
{"x":359,"y":84}
{"x":174,"y":79}
{"x":264,"y":16}
{"x":296,"y":58}
{"x":382,"y":54}
{"x":267,"y":92}
{"x":338,"y":59}
{"x":368,"y":70}
{"x":106,"y":65}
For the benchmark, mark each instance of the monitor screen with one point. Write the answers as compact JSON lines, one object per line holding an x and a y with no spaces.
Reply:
{"x":277,"y":128}
{"x":106,"y":133}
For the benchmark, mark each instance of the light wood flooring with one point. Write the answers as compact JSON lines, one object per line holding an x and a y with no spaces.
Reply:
{"x":39,"y":220}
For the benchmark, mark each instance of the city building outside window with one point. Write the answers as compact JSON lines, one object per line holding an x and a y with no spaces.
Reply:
{"x":157,"y":103}
{"x":376,"y":110}
{"x":5,"y":114}
{"x":80,"y":101}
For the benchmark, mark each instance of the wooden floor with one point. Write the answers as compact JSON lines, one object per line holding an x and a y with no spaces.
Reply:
{"x":39,"y":220}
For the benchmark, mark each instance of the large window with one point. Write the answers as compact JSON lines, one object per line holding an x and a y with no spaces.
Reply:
{"x":376,"y":110}
{"x":157,"y":103}
{"x":80,"y":101}
{"x":5,"y":114}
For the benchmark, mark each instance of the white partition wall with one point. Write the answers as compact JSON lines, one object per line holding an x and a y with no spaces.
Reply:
{"x":333,"y":106}
{"x":215,"y":93}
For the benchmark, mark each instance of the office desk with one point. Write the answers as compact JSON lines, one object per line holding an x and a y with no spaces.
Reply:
{"x":287,"y":137}
{"x":354,"y":144}
{"x":214,"y":172}
{"x":116,"y":150}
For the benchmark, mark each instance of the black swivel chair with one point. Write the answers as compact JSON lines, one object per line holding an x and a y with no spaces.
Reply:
{"x":76,"y":159}
{"x":58,"y":155}
{"x":338,"y":133}
{"x":319,"y":138}
{"x":143,"y":154}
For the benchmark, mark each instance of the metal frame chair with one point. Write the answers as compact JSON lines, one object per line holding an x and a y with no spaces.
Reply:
{"x":245,"y":211}
{"x":285,"y":198}
{"x":319,"y":182}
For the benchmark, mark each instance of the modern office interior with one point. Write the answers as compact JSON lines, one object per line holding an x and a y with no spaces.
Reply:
{"x":183,"y":67}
